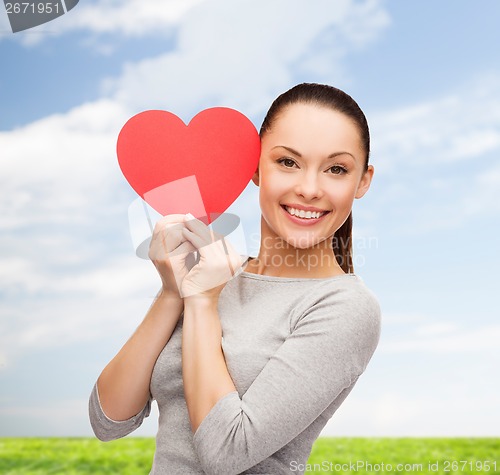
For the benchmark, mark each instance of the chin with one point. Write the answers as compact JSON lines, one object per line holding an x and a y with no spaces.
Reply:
{"x":303,"y":242}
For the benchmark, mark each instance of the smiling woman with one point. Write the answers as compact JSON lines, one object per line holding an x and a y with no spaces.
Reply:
{"x":248,"y":365}
{"x":315,"y":150}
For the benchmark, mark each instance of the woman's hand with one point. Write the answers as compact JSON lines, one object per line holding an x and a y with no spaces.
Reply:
{"x":218,"y":262}
{"x":169,"y":251}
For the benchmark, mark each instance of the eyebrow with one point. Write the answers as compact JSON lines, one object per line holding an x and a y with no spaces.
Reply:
{"x":333,"y":155}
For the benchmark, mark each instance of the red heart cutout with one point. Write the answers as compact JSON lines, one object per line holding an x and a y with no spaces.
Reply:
{"x":200,"y":168}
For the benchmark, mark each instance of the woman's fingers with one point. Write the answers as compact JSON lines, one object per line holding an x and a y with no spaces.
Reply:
{"x":175,"y":239}
{"x":181,"y":261}
{"x":167,"y":236}
{"x":172,"y":237}
{"x":220,"y":252}
{"x":200,"y":228}
{"x":184,"y":248}
{"x":165,"y":242}
{"x":166,"y":220}
{"x":195,"y":239}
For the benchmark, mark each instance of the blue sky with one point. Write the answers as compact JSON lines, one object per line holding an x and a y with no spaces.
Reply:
{"x":425,"y":234}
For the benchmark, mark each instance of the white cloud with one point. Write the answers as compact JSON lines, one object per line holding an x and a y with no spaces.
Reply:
{"x":396,"y":414}
{"x":44,"y":326}
{"x":483,"y":197}
{"x":63,"y":192}
{"x":134,"y":18}
{"x":61,"y":418}
{"x":60,"y":178}
{"x":402,"y":319}
{"x":461,"y":125}
{"x":60,"y":169}
{"x":107,"y":300}
{"x":443,"y":337}
{"x":436,"y":163}
{"x":360,"y":22}
{"x":65,"y":418}
{"x":230,"y":53}
{"x":436,"y":329}
{"x":127,"y":17}
{"x":421,"y":398}
{"x":117,"y":276}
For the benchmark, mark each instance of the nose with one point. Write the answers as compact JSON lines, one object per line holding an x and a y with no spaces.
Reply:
{"x":309,"y":186}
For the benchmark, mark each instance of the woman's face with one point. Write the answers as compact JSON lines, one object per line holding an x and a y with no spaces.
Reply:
{"x":312,"y":159}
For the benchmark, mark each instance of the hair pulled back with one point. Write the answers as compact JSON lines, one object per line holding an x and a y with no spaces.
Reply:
{"x":337,"y":100}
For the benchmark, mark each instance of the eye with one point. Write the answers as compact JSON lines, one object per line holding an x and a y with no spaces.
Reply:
{"x":287,"y":162}
{"x":338,"y":170}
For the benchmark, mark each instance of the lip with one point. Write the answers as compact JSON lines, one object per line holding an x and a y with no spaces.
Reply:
{"x":301,"y":221}
{"x":305,"y":208}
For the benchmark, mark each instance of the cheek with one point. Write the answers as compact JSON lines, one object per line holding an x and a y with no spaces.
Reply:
{"x":341,"y":194}
{"x":273,"y":184}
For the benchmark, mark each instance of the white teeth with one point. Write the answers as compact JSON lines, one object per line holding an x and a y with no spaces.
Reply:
{"x":305,"y":214}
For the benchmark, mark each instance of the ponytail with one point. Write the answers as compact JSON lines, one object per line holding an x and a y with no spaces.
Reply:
{"x":342,"y":245}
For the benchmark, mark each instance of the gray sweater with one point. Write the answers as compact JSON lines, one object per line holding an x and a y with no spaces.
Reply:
{"x":294,"y":347}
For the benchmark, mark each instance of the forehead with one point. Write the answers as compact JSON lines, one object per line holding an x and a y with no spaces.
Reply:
{"x":314,"y":128}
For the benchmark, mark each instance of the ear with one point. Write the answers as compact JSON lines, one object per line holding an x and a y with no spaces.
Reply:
{"x":255,"y":177}
{"x":365,"y":182}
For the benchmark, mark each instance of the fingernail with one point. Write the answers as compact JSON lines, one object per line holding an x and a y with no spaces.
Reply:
{"x":189,"y":216}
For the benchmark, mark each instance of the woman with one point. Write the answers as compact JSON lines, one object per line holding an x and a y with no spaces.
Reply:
{"x":298,"y":326}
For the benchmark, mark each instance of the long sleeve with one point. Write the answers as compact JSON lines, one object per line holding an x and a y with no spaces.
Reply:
{"x":319,"y":362}
{"x":107,"y":429}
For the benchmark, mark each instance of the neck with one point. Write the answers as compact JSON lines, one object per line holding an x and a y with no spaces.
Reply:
{"x":278,"y":258}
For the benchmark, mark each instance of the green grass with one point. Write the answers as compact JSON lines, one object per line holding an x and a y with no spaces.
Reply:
{"x":415,"y":453}
{"x":133,"y":456}
{"x":71,"y":456}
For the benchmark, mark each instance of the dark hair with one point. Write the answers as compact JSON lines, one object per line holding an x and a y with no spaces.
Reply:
{"x":333,"y":98}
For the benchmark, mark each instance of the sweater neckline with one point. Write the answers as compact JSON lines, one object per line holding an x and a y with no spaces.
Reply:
{"x":251,"y":275}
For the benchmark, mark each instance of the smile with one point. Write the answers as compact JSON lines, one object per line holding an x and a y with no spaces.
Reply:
{"x":300,"y":213}
{"x":303,"y":217}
